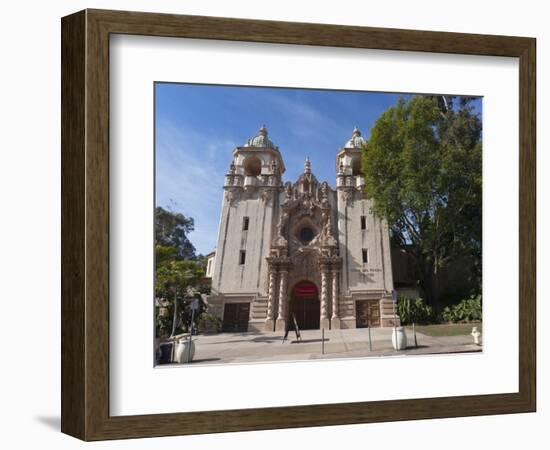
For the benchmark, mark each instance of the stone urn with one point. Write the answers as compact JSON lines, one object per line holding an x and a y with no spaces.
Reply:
{"x":181,"y":353}
{"x":399,"y":338}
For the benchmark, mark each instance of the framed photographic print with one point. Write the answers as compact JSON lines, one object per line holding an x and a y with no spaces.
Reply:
{"x":273,"y":225}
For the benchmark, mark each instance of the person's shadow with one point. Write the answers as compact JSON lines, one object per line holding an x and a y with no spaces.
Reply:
{"x":52,"y":422}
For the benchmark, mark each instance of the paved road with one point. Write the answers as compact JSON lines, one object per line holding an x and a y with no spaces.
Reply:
{"x":353,"y":343}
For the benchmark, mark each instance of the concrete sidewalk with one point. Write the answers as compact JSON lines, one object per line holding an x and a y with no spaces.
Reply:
{"x":353,"y":343}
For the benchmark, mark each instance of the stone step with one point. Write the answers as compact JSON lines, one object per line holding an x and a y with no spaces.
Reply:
{"x":257,"y":320}
{"x":259,"y":305}
{"x":258,"y":315}
{"x":256,"y":325}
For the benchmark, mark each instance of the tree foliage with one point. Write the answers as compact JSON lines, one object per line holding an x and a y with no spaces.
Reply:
{"x":414,"y":311}
{"x":164,"y":254}
{"x":468,"y":310}
{"x":179,"y":272}
{"x":176,"y":284}
{"x":422,"y":168}
{"x":171,"y":230}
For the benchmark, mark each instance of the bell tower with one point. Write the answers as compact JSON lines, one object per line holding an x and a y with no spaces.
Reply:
{"x":250,"y":206}
{"x":348,"y":162}
{"x":364,"y":243}
{"x":256,"y":164}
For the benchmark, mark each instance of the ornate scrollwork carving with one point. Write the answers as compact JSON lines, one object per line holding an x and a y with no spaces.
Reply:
{"x":281,"y":225}
{"x":232,"y":196}
{"x":347,"y":195}
{"x":266,"y":195}
{"x":288,"y":193}
{"x":324,"y":194}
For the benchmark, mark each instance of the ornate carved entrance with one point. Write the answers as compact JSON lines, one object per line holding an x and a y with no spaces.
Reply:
{"x":305,"y":305}
{"x":304,"y":254}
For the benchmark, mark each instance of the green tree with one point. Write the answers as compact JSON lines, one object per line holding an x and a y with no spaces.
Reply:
{"x":422,"y":168}
{"x":171,"y":230}
{"x":176,"y":284}
{"x":202,"y":260}
{"x":164,"y":254}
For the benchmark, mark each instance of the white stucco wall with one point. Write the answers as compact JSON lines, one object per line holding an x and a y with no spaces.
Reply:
{"x":229,"y":276}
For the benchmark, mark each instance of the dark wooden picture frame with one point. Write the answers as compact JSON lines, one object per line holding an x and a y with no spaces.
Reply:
{"x":85,"y":224}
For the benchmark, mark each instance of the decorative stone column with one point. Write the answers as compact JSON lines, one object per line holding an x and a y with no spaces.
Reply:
{"x":269,"y":321}
{"x":335,"y":319}
{"x":325,"y":322}
{"x":281,"y":317}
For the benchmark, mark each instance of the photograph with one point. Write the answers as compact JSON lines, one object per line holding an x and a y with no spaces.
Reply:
{"x":298,"y":224}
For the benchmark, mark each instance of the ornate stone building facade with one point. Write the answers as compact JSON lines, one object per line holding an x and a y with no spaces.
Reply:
{"x":299,"y":248}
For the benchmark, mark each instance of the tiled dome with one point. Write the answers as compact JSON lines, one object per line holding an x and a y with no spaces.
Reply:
{"x":356,"y":141}
{"x":260,"y":140}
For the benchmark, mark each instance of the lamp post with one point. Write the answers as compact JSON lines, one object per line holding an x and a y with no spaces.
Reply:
{"x":194,"y":307}
{"x":394,"y":302}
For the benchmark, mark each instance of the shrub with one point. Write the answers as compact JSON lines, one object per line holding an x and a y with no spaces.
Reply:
{"x":447,"y":314}
{"x":468,"y":310}
{"x":209,"y":323}
{"x":414,"y":311}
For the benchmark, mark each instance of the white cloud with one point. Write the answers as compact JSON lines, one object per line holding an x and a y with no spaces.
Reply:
{"x":189,"y":176}
{"x":305,"y":121}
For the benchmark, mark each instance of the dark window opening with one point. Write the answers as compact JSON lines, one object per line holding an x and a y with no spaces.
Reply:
{"x":365,"y":256}
{"x":252,"y":166}
{"x":245,"y":223}
{"x":363,"y":223}
{"x":242,"y":257}
{"x":356,"y":166}
{"x":306,"y":235}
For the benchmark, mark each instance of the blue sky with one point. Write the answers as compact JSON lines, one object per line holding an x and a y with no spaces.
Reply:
{"x":198,"y":126}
